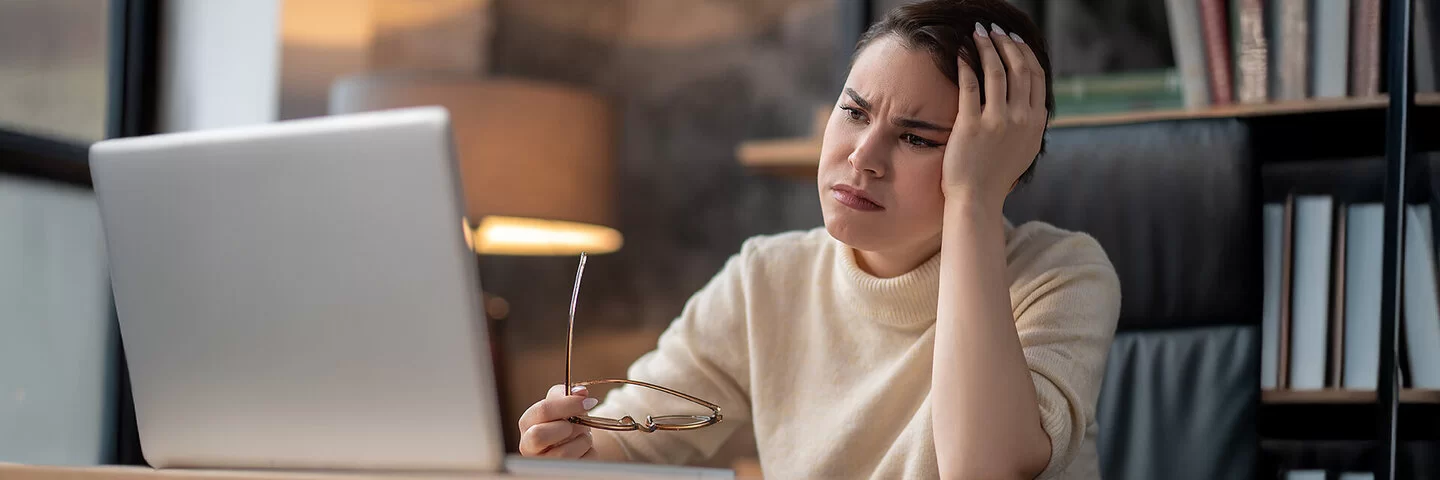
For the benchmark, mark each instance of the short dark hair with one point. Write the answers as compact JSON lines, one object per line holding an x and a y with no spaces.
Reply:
{"x":943,"y":29}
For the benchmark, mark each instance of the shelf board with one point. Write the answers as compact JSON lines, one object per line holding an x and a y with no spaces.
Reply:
{"x":799,"y":156}
{"x":782,"y":156}
{"x":1337,"y":396}
{"x":1243,"y":110}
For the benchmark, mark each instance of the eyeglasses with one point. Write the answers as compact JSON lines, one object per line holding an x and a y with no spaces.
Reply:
{"x":626,"y":423}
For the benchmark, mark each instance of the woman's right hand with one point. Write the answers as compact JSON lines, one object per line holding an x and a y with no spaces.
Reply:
{"x":546,"y":431}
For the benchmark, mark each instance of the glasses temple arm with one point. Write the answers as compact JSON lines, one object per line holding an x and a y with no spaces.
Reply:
{"x":570,"y":330}
{"x":677,"y":393}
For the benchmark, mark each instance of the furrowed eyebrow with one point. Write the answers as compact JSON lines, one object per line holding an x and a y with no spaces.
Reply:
{"x":857,"y":98}
{"x":919,"y":124}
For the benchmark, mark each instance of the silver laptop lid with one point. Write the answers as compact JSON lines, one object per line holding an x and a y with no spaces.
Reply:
{"x":300,"y":295}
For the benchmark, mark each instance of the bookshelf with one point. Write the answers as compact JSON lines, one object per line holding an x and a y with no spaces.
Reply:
{"x":1336,"y":396}
{"x":798,"y":157}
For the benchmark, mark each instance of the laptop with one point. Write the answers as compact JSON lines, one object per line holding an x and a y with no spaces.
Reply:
{"x":300,"y":295}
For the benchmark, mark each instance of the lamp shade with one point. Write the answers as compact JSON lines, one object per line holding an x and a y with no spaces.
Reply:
{"x":536,"y":159}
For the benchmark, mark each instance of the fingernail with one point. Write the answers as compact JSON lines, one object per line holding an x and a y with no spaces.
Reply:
{"x":590,"y":403}
{"x":577,"y":389}
{"x":980,"y":30}
{"x":1016,"y":38}
{"x":996,"y":27}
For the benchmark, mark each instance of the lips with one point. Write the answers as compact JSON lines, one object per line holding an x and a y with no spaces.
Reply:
{"x":854,"y":198}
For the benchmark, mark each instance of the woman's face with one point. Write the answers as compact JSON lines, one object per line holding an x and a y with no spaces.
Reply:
{"x":880,"y":161}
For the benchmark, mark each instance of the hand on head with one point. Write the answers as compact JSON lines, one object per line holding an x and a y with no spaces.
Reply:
{"x":991,"y":145}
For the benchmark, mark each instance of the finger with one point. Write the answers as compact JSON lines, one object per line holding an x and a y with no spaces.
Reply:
{"x":546,"y":435}
{"x":969,"y":90}
{"x":1037,"y":77}
{"x":994,"y":70}
{"x":555,"y":409}
{"x":579,"y":431}
{"x":572,"y":449}
{"x":1017,"y":69}
{"x":558,"y":391}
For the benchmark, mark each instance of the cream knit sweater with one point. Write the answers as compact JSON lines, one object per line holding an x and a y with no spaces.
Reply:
{"x":831,"y":366}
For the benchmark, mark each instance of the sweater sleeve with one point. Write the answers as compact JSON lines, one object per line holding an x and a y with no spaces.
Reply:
{"x":703,"y":353}
{"x":1066,"y":303}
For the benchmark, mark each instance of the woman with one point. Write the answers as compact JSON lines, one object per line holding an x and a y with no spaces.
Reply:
{"x":919,"y":333}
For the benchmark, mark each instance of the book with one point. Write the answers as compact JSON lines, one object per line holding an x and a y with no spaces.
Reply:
{"x":1424,"y":54}
{"x":1136,"y":90}
{"x":1287,"y":267}
{"x":1330,"y":57}
{"x":1291,"y":50}
{"x":1189,"y":48}
{"x":1314,"y":216}
{"x":1252,"y":57}
{"x":1336,"y":365}
{"x":1364,"y":242}
{"x":1421,"y":309}
{"x":1216,"y":29}
{"x":1272,"y":249}
{"x":1365,"y":48}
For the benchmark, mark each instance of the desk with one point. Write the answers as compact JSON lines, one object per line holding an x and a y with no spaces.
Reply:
{"x":11,"y":471}
{"x":532,"y":468}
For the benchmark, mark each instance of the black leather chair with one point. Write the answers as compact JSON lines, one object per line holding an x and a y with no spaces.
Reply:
{"x":1176,"y":206}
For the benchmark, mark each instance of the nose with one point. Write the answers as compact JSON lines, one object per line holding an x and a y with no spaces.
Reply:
{"x":868,"y":156}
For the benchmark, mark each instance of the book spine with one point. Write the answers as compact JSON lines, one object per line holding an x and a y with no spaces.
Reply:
{"x":1331,"y":49}
{"x":1310,"y":315}
{"x":1365,"y":49}
{"x":1336,"y":371}
{"x":1294,"y":53}
{"x":1253,"y":55}
{"x":1365,"y":227}
{"x":1425,"y":74}
{"x":1217,"y":50}
{"x":1270,"y":317}
{"x":1189,"y":48}
{"x":1287,"y":274}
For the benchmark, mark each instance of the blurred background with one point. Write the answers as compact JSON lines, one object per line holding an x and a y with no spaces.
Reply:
{"x":671,"y":131}
{"x":689,"y":82}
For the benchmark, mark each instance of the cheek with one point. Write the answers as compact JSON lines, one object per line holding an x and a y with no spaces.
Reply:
{"x":836,"y":144}
{"x":917,"y":185}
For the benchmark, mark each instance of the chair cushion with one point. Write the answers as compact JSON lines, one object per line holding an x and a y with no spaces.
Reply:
{"x":1180,"y":404}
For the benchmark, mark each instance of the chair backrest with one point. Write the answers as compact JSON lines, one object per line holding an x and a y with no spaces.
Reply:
{"x":1176,"y":206}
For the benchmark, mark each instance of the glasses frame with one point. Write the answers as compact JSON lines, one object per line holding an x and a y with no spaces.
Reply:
{"x":628,"y":423}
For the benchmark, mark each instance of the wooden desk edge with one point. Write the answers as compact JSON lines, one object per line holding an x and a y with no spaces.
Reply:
{"x":16,"y":471}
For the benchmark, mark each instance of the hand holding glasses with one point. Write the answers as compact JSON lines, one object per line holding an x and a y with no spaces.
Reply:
{"x":626,"y":423}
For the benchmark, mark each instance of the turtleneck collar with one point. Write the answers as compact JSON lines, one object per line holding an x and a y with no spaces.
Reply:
{"x":904,"y":301}
{"x":909,"y":300}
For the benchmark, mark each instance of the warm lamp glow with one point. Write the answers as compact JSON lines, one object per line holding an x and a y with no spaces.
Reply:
{"x":500,"y":235}
{"x":536,"y":160}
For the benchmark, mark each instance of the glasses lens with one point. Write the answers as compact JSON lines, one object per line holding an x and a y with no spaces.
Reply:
{"x":678,"y":421}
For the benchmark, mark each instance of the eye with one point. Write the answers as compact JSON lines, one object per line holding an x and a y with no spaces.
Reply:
{"x":854,"y":114}
{"x":918,"y":141}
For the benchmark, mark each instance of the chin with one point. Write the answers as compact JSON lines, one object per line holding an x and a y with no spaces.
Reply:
{"x":876,"y":232}
{"x":862,"y":231}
